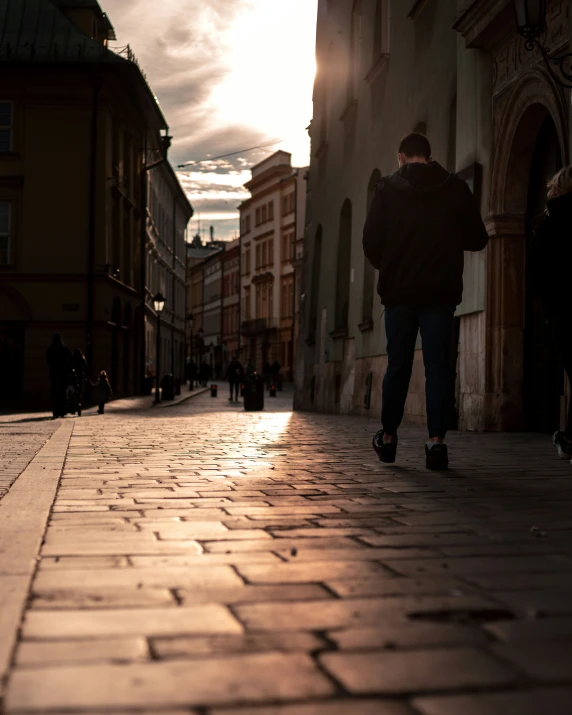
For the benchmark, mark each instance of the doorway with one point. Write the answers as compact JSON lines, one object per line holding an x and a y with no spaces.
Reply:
{"x":12,"y":336}
{"x":543,"y":370}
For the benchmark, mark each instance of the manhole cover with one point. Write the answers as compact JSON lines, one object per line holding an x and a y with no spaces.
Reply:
{"x":463,"y":615}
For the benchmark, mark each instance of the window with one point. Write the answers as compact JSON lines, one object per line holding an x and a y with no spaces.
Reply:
{"x":381,"y":30}
{"x":248,"y":223}
{"x":264,"y":255}
{"x":257,"y":264}
{"x":263,"y":214}
{"x":247,"y":261}
{"x":271,"y":211}
{"x":355,"y":52}
{"x":257,"y":217}
{"x":246,"y":307}
{"x":270,"y":289}
{"x":284,"y":205}
{"x":271,"y":252}
{"x":6,"y":127}
{"x":5,"y":233}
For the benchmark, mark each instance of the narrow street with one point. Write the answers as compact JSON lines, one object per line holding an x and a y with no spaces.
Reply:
{"x":200,"y":559}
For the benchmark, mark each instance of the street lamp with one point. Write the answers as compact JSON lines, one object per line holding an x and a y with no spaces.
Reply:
{"x":191,"y":319}
{"x":159,"y":305}
{"x":530,"y":16}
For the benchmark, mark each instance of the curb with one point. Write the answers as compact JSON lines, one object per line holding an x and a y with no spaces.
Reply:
{"x":175,"y":403}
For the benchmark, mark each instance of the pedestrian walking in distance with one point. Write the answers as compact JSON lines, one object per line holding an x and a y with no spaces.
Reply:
{"x":551,"y":260}
{"x":60,"y":363}
{"x":421,"y":220}
{"x":103,"y":392}
{"x":234,"y":375}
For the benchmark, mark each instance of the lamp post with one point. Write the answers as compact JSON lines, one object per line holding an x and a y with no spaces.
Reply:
{"x":159,"y":305}
{"x":530,"y":16}
{"x":191,"y":319}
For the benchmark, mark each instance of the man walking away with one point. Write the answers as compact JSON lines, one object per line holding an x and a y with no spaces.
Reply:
{"x":421,"y":220}
{"x":234,"y":375}
{"x":60,"y":362}
{"x":550,"y":262}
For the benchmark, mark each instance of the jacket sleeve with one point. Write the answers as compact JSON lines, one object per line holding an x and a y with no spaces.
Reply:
{"x":473,"y":232}
{"x":374,"y":229}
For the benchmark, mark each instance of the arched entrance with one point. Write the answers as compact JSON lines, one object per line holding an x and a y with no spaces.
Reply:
{"x":543,"y":371}
{"x":530,"y":146}
{"x":14,"y":315}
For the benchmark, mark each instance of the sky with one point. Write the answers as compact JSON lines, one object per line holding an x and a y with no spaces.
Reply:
{"x":229,"y":75}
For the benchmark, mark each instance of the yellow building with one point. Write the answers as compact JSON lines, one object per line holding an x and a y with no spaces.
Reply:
{"x":80,"y":132}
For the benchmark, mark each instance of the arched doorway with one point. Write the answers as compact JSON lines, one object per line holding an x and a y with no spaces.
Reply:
{"x":543,"y":371}
{"x":368,"y":290}
{"x":14,"y":316}
{"x":127,"y":342}
{"x":531,"y":144}
{"x":344,"y":267}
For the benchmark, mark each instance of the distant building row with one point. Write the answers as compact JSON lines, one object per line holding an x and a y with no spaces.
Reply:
{"x":244,"y":296}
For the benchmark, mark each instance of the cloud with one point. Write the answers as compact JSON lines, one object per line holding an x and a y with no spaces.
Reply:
{"x":229,"y":75}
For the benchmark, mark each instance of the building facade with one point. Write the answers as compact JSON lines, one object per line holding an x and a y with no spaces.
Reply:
{"x":168,"y":213}
{"x":231,"y":302}
{"x":272,"y":228}
{"x":494,"y":115}
{"x":79,"y":127}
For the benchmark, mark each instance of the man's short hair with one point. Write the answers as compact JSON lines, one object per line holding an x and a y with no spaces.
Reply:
{"x":415,"y":144}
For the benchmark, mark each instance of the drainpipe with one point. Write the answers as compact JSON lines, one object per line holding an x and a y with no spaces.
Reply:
{"x":294,"y":274}
{"x":91,"y":228}
{"x":173,"y":290}
{"x":143,"y":261}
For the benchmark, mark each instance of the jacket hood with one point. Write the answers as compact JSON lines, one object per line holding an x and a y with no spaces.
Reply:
{"x":420,"y":178}
{"x":559,"y":204}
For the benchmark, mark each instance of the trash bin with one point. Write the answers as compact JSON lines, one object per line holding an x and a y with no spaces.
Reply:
{"x":214,"y":390}
{"x":168,"y":387}
{"x":272,"y":390}
{"x":254,"y":393}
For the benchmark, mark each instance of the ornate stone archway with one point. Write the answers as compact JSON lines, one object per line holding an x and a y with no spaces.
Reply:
{"x":518,"y":117}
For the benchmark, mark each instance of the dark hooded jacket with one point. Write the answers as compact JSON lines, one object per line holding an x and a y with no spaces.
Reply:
{"x":421,"y":220}
{"x":551,"y":257}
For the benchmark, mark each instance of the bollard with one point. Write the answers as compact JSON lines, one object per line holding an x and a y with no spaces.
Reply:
{"x":214,"y":390}
{"x":272,"y":391}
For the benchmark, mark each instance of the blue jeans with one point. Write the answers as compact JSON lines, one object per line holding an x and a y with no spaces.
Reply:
{"x":402,"y":324}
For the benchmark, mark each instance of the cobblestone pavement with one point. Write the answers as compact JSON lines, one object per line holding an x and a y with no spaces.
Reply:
{"x":18,"y":446}
{"x":210,"y":561}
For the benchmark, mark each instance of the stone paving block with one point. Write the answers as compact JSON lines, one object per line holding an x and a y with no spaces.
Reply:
{"x":185,"y":647}
{"x":102,"y":598}
{"x":248,"y":678}
{"x":204,"y":559}
{"x":120,"y":548}
{"x":406,"y":635}
{"x":186,"y":532}
{"x":201,"y":619}
{"x":542,"y":660}
{"x":363,"y":554}
{"x":323,"y":615}
{"x":394,"y":586}
{"x":521,"y":581}
{"x":34,"y":653}
{"x":416,"y":671}
{"x":547,"y":701}
{"x":491,"y":565}
{"x":298,"y":544}
{"x":80,"y":562}
{"x":310,"y":572}
{"x":339,"y":707}
{"x":254,"y":594}
{"x":525,"y":630}
{"x":196,"y":577}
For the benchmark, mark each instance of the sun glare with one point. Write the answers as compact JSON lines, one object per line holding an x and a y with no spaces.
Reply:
{"x":272,"y":69}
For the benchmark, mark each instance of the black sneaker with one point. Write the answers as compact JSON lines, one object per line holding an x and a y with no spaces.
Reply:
{"x":436,"y":456}
{"x":386,"y":451}
{"x":563,"y":446}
